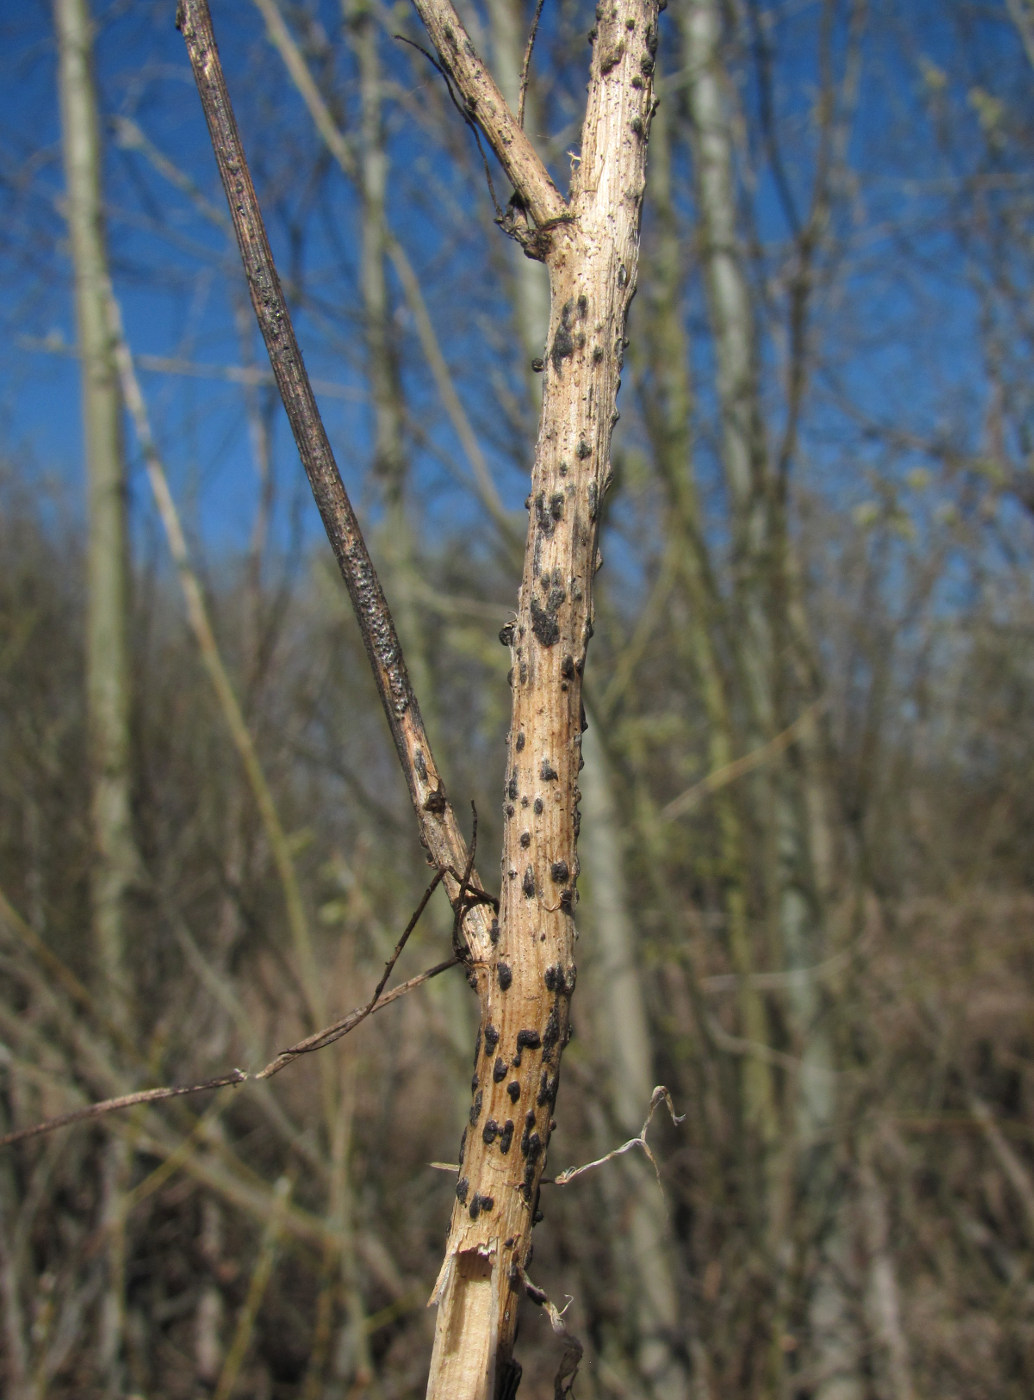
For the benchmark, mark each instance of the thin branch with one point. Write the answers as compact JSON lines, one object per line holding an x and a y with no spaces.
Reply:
{"x":334,"y":139}
{"x":321,"y":1038}
{"x":349,"y":1022}
{"x":327,"y":1036}
{"x":331,"y":1033}
{"x":567,"y":1371}
{"x":464,"y":113}
{"x":527,"y":63}
{"x":729,"y":772}
{"x":487,"y":106}
{"x":461,"y":900}
{"x":438,"y":827}
{"x":97,"y":1110}
{"x":660,"y":1095}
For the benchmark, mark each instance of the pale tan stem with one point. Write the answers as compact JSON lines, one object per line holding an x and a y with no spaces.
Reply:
{"x":488,"y":108}
{"x":525,"y":984}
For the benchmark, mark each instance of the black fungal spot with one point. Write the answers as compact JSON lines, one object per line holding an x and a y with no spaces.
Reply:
{"x":505,"y":976}
{"x":583,"y":306}
{"x":529,"y":1123}
{"x":435,"y":802}
{"x":538,"y":365}
{"x":462,"y":1187}
{"x":491,"y":1041}
{"x":511,"y":788}
{"x":474,"y":1209}
{"x":583,"y":450}
{"x":526,"y":1040}
{"x":475,"y":1108}
{"x":528,"y":883}
{"x":420,"y":765}
{"x":490,"y":1132}
{"x":524,"y":671}
{"x":563,"y":341}
{"x":509,"y":809}
{"x":544,"y":623}
{"x":369,"y":602}
{"x":594,"y":500}
{"x":567,"y":668}
{"x":518,"y":743}
{"x":499,"y":1070}
{"x":559,"y":871}
{"x":487,"y":1202}
{"x":507,"y":633}
{"x":463,"y":1143}
{"x":525,"y":839}
{"x":550,"y":977}
{"x":537,"y":1217}
{"x":548,"y":772}
{"x":474,"y":1082}
{"x":514,"y":1090}
{"x":506,"y":1136}
{"x":545,"y":520}
{"x":537,"y":808}
{"x":551,"y":1034}
{"x":612,"y":59}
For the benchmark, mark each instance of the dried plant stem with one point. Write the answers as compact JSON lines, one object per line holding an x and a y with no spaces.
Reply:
{"x":439,"y":829}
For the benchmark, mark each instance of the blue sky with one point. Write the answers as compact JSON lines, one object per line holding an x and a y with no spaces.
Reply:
{"x":898,"y":329}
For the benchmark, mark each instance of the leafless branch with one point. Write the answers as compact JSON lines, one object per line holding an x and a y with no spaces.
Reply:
{"x":660,"y":1095}
{"x":438,"y":827}
{"x":321,"y":1038}
{"x":487,"y":106}
{"x":527,"y":63}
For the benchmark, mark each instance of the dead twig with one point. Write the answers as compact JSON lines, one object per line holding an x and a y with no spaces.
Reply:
{"x":317,"y":1041}
{"x":438,"y":827}
{"x":660,"y":1095}
{"x":527,"y":63}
